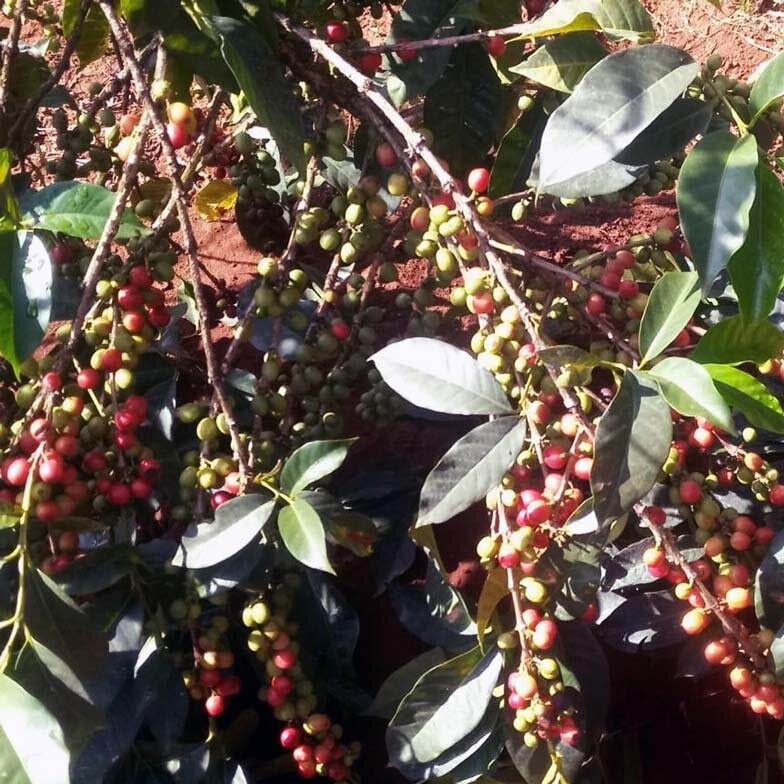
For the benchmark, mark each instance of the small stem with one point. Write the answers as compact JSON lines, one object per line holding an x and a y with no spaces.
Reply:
{"x":736,"y":118}
{"x":450,"y":40}
{"x":9,"y":50}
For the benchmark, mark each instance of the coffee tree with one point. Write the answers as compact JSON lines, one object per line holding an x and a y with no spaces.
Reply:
{"x":179,"y":508}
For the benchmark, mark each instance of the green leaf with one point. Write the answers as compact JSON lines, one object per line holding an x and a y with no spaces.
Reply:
{"x":258,"y":71}
{"x":32,"y":748}
{"x":563,"y":61}
{"x":609,"y":177}
{"x":462,"y":106}
{"x":470,"y":469}
{"x":354,"y":531}
{"x":618,"y":98}
{"x":715,"y":192}
{"x":312,"y":462}
{"x":303,"y":534}
{"x":495,"y":588}
{"x":632,"y":442}
{"x":417,"y":20}
{"x":750,"y":396}
{"x":60,"y":626}
{"x":237,"y":523}
{"x":689,"y":389}
{"x":401,"y":682}
{"x":617,"y":18}
{"x":94,"y":36}
{"x":516,"y":153}
{"x":435,"y":375}
{"x":768,"y":87}
{"x":444,"y":706}
{"x":96,"y":570}
{"x":76,"y":208}
{"x":757,"y":267}
{"x":735,"y":340}
{"x":10,"y":216}
{"x":671,"y":304}
{"x":25,"y":295}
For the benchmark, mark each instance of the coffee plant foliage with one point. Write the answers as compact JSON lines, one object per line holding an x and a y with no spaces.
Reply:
{"x":181,"y":513}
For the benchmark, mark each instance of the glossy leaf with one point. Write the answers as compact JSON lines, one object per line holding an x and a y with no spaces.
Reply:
{"x":617,"y":18}
{"x":462,"y":106}
{"x":96,"y":570}
{"x":25,"y":295}
{"x":417,"y":20}
{"x":671,"y":304}
{"x":750,"y":396}
{"x":757,"y":267}
{"x":237,"y":523}
{"x":563,"y":61}
{"x":76,"y":208}
{"x":768,"y":87}
{"x":618,"y":98}
{"x":58,"y":624}
{"x":259,"y":73}
{"x":715,"y":192}
{"x":434,"y":375}
{"x":445,"y":705}
{"x":769,"y":585}
{"x":312,"y":462}
{"x":689,"y":389}
{"x":214,"y":199}
{"x":645,"y":622}
{"x":734,"y":340}
{"x":632,"y":442}
{"x":94,"y":36}
{"x":494,"y":589}
{"x":609,"y":177}
{"x":470,"y":469}
{"x":32,"y":748}
{"x":516,"y":153}
{"x":401,"y":682}
{"x":303,"y":534}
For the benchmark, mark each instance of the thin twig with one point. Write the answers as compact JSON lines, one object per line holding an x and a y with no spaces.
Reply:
{"x":125,"y":42}
{"x":9,"y":51}
{"x":447,"y":40}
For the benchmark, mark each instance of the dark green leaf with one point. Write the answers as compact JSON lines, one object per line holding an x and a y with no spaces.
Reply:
{"x":434,"y":375}
{"x":59,"y":625}
{"x":516,"y":153}
{"x":445,"y":705}
{"x":237,"y":523}
{"x":757,"y":267}
{"x":96,"y":570}
{"x":734,"y":340}
{"x":25,"y":295}
{"x":401,"y":682}
{"x":76,"y":208}
{"x":619,"y":97}
{"x":417,"y":20}
{"x":462,"y":106}
{"x":768,"y":87}
{"x":669,"y":133}
{"x":563,"y":61}
{"x":750,"y":396}
{"x":617,"y":18}
{"x":715,"y":192}
{"x":258,"y":71}
{"x":312,"y":462}
{"x":671,"y":304}
{"x":32,"y":748}
{"x":609,"y":177}
{"x":303,"y":534}
{"x":632,"y":442}
{"x":689,"y":389}
{"x":645,"y":622}
{"x":470,"y":469}
{"x":769,"y":585}
{"x":354,"y":531}
{"x":94,"y":35}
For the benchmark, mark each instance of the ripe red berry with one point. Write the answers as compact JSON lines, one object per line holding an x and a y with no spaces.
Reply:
{"x":583,"y":467}
{"x":47,"y":511}
{"x":178,"y":136}
{"x":539,"y":512}
{"x":94,"y":461}
{"x":290,"y":737}
{"x":776,"y":495}
{"x":158,"y":317}
{"x":138,"y":276}
{"x":539,"y":412}
{"x":111,"y":360}
{"x":50,"y":469}
{"x":129,"y":298}
{"x":285,"y":659}
{"x":701,"y":438}
{"x":690,"y":492}
{"x":51,"y":382}
{"x":653,"y":556}
{"x":303,"y":753}
{"x":478,"y":180}
{"x":555,"y":456}
{"x":508,"y":557}
{"x":340,"y":329}
{"x":140,"y":488}
{"x":610,"y":280}
{"x":369,"y":63}
{"x":496,"y":46}
{"x":595,"y":304}
{"x":134,"y":321}
{"x":481,"y":303}
{"x":229,"y":686}
{"x":337,"y":32}
{"x":119,"y":494}
{"x":88,"y":378}
{"x":214,"y":705}
{"x":16,"y":470}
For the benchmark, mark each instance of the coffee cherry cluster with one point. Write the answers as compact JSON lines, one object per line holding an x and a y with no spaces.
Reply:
{"x":313,"y":738}
{"x":76,"y":142}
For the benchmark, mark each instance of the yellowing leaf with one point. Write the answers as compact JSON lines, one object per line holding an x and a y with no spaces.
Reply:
{"x":215,"y":198}
{"x":495,"y":588}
